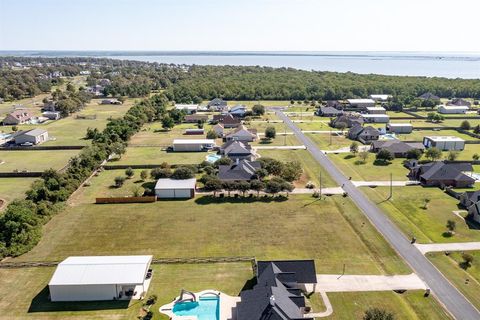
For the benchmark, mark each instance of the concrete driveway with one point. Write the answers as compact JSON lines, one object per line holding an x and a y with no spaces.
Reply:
{"x":439,"y":247}
{"x":355,"y":283}
{"x":383,"y":183}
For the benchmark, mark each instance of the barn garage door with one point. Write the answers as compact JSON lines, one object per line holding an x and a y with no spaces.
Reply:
{"x":165,"y":193}
{"x":182,"y":193}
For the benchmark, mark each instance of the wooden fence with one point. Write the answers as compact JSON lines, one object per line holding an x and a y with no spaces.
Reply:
{"x":125,"y":200}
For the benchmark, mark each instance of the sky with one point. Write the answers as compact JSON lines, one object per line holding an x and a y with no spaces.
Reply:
{"x":240,"y":25}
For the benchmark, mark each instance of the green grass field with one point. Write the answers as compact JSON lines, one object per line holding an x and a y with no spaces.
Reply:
{"x":35,"y":160}
{"x":71,"y":131}
{"x":155,"y":155}
{"x":450,"y":267}
{"x":14,"y":188}
{"x":427,"y":225}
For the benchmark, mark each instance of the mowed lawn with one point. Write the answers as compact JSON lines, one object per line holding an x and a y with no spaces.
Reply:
{"x":71,"y":131}
{"x":30,"y":160}
{"x":311,"y":168}
{"x":467,"y":281}
{"x":157,"y":155}
{"x":14,"y":188}
{"x":329,"y":141}
{"x":427,"y":225}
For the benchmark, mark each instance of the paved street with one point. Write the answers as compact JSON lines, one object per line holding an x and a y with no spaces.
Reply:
{"x":447,"y":294}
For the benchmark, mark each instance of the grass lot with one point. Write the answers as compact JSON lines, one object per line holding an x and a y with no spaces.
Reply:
{"x":71,"y":131}
{"x":31,"y":104}
{"x":468,"y":152}
{"x":406,"y":209}
{"x":155,"y":155}
{"x":35,"y":160}
{"x":310,"y":167}
{"x":320,"y":125}
{"x":417,"y":135}
{"x":466,"y":115}
{"x":450,"y":267}
{"x":14,"y":188}
{"x":322,"y":140}
{"x":393,"y":115}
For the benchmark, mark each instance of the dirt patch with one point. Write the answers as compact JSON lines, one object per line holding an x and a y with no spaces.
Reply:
{"x":2,"y":204}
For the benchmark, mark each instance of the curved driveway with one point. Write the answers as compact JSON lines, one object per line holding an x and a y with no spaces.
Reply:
{"x":458,"y":306}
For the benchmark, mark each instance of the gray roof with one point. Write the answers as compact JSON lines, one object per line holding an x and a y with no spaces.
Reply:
{"x":217,"y":102}
{"x":175,"y":184}
{"x":237,"y":148}
{"x":459,"y":102}
{"x":396,"y":146}
{"x":35,"y":132}
{"x":244,"y":170}
{"x":275,"y":297}
{"x":440,"y":170}
{"x":330,"y":110}
{"x":429,"y":95}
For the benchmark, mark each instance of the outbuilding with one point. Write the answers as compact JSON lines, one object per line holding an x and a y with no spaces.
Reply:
{"x":175,"y":189}
{"x":96,"y":278}
{"x":34,"y":136}
{"x":376,"y":110}
{"x":452,"y":109}
{"x":380,"y":97}
{"x":444,"y":143}
{"x":193,"y":145}
{"x":376,"y":118}
{"x":188,"y":108}
{"x":361,"y":103}
{"x":399,"y":128}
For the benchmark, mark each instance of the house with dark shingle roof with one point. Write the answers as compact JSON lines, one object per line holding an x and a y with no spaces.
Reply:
{"x":469,"y":198}
{"x":328,"y":112}
{"x":399,"y":149}
{"x":278,"y":292}
{"x":350,"y":119}
{"x":429,"y":96}
{"x":459,"y":102}
{"x":238,"y":150}
{"x":217,"y":104}
{"x":442,"y":174}
{"x":227,"y":120}
{"x":241,"y":170}
{"x":365,"y":135}
{"x":474,"y":211}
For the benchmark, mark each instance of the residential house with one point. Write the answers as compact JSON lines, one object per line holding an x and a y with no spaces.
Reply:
{"x":459,"y":102}
{"x":452,"y":109}
{"x":365,"y":135}
{"x":328,"y":112}
{"x":217,"y":104}
{"x":18,"y":116}
{"x":360,"y":104}
{"x":193,"y":145}
{"x":218,"y":128}
{"x":96,"y":90}
{"x":238,"y":150}
{"x":376,"y":110}
{"x":238,"y":111}
{"x":166,"y":188}
{"x":34,"y":137}
{"x":100,"y":278}
{"x":442,"y":174}
{"x":428,"y":96}
{"x":278,"y":291}
{"x":104,"y":82}
{"x":240,"y":170}
{"x":227,"y":120}
{"x":399,"y":128}
{"x":444,"y":143}
{"x":376,"y":118}
{"x":241,"y":133}
{"x":50,"y":105}
{"x":195,"y":118}
{"x":380,"y":97}
{"x":469,"y":198}
{"x":188,"y":108}
{"x":474,"y":212}
{"x":397,"y":148}
{"x":349,"y":119}
{"x":334,"y":104}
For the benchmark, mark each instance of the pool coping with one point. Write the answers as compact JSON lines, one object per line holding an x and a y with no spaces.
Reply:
{"x":226,"y":303}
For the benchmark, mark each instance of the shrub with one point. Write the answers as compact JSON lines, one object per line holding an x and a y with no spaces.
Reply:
{"x":378,"y":314}
{"x":159,"y":173}
{"x":258,"y":110}
{"x":129,"y":173}
{"x":465,"y":125}
{"x":182,"y":173}
{"x":144,"y":175}
{"x":119,"y":181}
{"x":270,"y":133}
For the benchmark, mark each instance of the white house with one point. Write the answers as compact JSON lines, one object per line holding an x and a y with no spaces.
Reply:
{"x":452,"y":109}
{"x":192,"y":145}
{"x":376,"y":110}
{"x":399,"y":127}
{"x":188,"y":108}
{"x":96,"y":278}
{"x":238,"y":111}
{"x":361,"y":103}
{"x":376,"y":118}
{"x":380,"y":97}
{"x":34,"y":136}
{"x":444,"y":143}
{"x":175,"y":189}
{"x":242,"y":134}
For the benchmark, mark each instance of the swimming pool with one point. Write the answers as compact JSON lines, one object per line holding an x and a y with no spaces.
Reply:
{"x":388,"y":136}
{"x":206,"y":308}
{"x":212,"y":157}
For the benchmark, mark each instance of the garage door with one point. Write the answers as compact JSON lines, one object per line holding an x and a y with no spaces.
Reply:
{"x":165,"y":193}
{"x":182,"y":193}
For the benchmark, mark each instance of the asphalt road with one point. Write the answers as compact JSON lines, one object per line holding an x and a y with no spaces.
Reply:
{"x":457,"y":304}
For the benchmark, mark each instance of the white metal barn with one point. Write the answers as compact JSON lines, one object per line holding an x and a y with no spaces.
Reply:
{"x":452,"y":109}
{"x":361,"y":103}
{"x":96,"y":278}
{"x":175,"y":189}
{"x":376,"y":118}
{"x":193,"y":145}
{"x":444,"y":143}
{"x":399,"y":127}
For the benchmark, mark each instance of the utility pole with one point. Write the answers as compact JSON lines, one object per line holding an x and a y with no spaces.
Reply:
{"x":320,"y":184}
{"x":391,"y":188}
{"x":330,"y":136}
{"x":285,"y":135}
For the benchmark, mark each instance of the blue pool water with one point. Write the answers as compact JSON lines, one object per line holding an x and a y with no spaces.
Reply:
{"x":212,"y":157}
{"x":206,"y":308}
